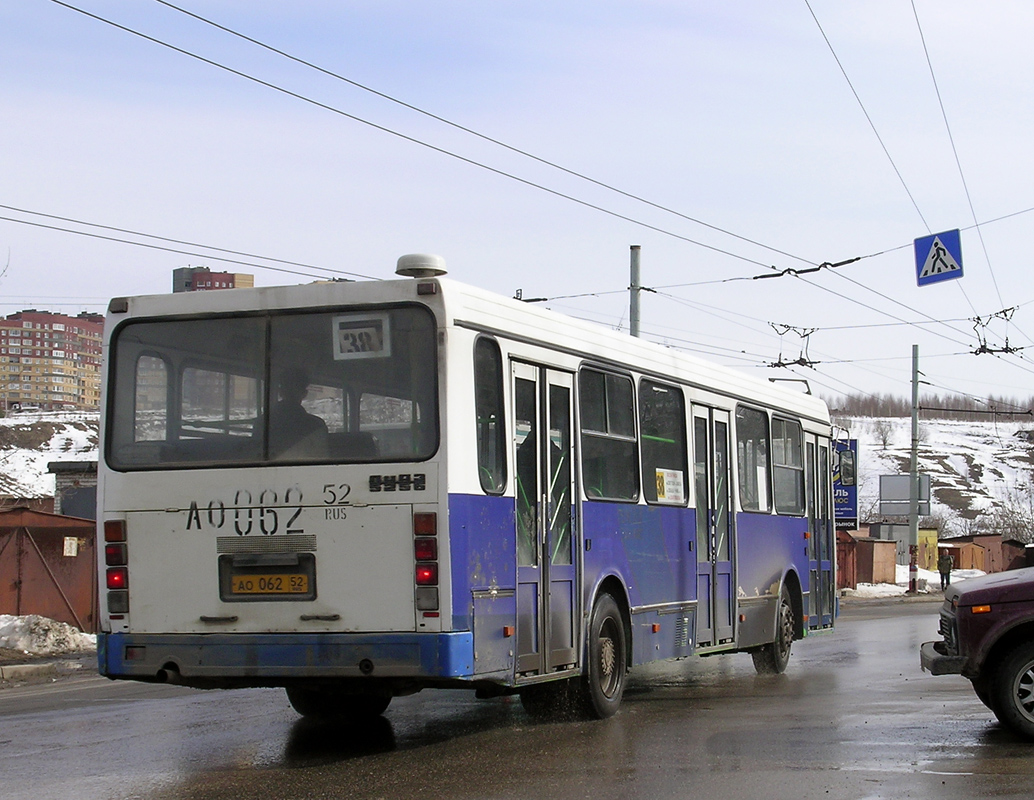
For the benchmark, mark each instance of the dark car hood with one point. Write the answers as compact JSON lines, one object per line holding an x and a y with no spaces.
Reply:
{"x":1014,"y":586}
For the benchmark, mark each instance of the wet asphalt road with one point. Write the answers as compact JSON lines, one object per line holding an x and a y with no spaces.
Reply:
{"x":853,"y":717}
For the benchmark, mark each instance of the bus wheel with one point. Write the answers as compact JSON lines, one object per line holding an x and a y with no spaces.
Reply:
{"x":604,"y":679}
{"x":771,"y":659}
{"x":333,"y":704}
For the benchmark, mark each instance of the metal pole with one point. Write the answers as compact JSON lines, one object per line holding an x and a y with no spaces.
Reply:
{"x":633,"y":290}
{"x":913,"y":480}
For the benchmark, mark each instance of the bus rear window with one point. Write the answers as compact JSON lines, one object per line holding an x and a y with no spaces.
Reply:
{"x":325,"y":387}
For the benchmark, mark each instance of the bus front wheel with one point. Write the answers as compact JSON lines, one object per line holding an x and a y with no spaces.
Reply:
{"x":327,"y":703}
{"x":771,"y":659}
{"x":607,"y":652}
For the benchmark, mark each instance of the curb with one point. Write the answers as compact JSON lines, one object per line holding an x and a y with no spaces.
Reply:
{"x":854,"y":600}
{"x":16,"y":672}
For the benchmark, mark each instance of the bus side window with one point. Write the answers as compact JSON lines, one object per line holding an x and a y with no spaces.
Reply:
{"x":488,"y":411}
{"x":151,"y":404}
{"x":662,"y":431}
{"x":788,"y":467}
{"x":752,"y":458}
{"x":609,"y":468}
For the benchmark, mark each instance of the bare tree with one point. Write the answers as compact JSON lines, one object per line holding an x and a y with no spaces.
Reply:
{"x":1013,"y":514}
{"x":883,"y":430}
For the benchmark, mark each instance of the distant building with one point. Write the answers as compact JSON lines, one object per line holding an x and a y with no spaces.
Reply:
{"x":75,"y":492}
{"x":926,"y":557}
{"x":202,"y":279}
{"x":50,"y":361}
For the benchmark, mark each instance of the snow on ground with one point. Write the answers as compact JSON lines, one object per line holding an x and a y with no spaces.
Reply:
{"x":42,"y":636}
{"x":972,"y":465}
{"x":74,"y":438}
{"x":901,"y":577}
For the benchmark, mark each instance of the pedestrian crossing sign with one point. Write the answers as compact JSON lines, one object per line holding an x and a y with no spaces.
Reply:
{"x":938,"y":257}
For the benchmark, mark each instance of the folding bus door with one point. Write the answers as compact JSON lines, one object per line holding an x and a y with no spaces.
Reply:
{"x":826,"y":535}
{"x":821,"y":546}
{"x":716,"y":550}
{"x":547,"y":595}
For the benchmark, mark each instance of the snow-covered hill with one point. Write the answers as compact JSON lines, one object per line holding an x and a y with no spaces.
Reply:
{"x":28,"y":442}
{"x":975,"y":468}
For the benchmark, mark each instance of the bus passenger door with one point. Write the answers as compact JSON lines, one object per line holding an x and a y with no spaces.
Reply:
{"x":716,"y":584}
{"x":547,"y":594}
{"x":827,"y":537}
{"x":821,"y":547}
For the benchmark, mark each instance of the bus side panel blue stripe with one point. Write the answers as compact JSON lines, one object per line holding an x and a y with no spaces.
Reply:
{"x":769,"y":546}
{"x":444,"y":655}
{"x":482,"y":547}
{"x":648,"y":547}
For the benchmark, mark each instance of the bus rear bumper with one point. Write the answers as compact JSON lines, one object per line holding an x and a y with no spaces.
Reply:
{"x":278,"y":659}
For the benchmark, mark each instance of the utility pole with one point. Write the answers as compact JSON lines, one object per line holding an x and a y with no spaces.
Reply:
{"x":913,"y":481}
{"x":633,"y":291}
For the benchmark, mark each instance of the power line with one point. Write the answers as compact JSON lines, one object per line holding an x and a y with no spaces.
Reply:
{"x":872,"y":125}
{"x":407,"y":138}
{"x":954,"y":149}
{"x":186,"y":243}
{"x":472,"y":132}
{"x":165,"y":249}
{"x":791,"y":273}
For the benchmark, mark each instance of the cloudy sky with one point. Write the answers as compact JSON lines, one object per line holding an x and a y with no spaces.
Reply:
{"x":743,"y":139}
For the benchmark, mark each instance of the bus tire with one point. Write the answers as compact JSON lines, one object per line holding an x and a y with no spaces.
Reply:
{"x":607,"y":660}
{"x":333,"y":704}
{"x":1012,"y":690}
{"x":771,"y":659}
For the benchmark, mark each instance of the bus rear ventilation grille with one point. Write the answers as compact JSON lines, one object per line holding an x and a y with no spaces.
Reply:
{"x":292,"y":543}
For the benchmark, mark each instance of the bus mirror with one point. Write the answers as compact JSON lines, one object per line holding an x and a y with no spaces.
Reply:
{"x":847,"y":468}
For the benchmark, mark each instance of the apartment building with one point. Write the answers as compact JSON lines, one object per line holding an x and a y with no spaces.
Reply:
{"x":50,"y":361}
{"x":202,"y":279}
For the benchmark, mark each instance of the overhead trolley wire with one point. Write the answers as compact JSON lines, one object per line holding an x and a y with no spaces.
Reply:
{"x":192,"y":244}
{"x":484,"y":137}
{"x":955,"y":151}
{"x":322,"y":271}
{"x":412,"y":139}
{"x":470,"y":161}
{"x":872,"y":125}
{"x":890,"y":158}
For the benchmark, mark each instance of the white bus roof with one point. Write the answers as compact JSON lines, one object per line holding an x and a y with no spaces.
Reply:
{"x":479,"y":309}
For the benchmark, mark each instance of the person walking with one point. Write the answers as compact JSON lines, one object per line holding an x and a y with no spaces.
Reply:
{"x":944,"y":566}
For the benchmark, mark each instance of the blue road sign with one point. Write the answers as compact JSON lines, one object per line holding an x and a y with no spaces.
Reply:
{"x":938,"y":257}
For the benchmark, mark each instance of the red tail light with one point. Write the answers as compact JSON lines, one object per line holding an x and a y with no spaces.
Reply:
{"x":426,"y":574}
{"x":117,"y":574}
{"x":118,"y":578}
{"x":426,"y":549}
{"x":425,"y":523}
{"x":115,"y":530}
{"x":115,"y":555}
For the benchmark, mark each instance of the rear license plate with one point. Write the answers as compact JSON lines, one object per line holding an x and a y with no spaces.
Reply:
{"x":248,"y":577}
{"x":269,"y":584}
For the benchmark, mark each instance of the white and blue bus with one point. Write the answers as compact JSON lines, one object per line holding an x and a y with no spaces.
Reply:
{"x":356,"y":491}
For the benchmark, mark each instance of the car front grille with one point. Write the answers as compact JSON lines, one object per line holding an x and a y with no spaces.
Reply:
{"x":948,"y":631}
